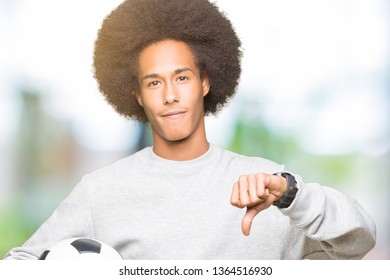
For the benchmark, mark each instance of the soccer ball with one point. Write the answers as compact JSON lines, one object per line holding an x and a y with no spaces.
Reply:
{"x":80,"y":248}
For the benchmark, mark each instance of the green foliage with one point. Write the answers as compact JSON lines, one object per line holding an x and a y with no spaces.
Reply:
{"x":15,"y":228}
{"x":254,"y":138}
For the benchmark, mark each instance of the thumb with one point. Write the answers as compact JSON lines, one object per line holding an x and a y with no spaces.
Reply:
{"x":246,"y":223}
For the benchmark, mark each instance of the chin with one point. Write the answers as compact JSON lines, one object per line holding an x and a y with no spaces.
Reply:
{"x":173,"y":134}
{"x":176,"y":139}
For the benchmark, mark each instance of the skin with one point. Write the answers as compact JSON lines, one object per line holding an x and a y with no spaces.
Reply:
{"x":171,"y":93}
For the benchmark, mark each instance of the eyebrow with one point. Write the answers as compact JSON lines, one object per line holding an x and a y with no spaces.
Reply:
{"x":177,"y":71}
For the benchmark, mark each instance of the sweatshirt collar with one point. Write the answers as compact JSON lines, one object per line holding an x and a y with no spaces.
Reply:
{"x":195,"y":163}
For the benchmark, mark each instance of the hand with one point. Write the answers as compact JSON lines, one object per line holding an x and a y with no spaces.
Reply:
{"x":256,"y":192}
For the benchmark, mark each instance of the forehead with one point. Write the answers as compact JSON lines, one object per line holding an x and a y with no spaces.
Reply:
{"x":165,"y":56}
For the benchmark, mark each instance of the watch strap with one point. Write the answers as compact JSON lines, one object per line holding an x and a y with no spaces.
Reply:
{"x":290,"y":193}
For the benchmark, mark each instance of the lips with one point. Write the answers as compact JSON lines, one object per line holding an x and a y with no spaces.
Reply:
{"x":173,"y":114}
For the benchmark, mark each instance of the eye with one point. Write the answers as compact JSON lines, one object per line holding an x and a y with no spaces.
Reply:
{"x":152,"y":83}
{"x":182,"y":78}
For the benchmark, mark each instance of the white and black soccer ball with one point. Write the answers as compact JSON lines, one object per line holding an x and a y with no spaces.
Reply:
{"x":80,"y":248}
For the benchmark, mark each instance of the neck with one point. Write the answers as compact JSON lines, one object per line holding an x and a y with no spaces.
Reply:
{"x":180,"y":150}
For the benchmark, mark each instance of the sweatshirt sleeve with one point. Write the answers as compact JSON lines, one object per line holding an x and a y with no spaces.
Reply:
{"x":338,"y":223}
{"x":71,"y":218}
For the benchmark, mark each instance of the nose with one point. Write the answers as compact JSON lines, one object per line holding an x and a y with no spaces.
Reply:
{"x":170,"y":94}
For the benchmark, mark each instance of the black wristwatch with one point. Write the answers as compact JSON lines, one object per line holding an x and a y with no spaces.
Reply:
{"x":291,"y":190}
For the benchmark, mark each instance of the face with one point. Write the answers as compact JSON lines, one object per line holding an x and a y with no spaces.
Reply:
{"x":171,"y":91}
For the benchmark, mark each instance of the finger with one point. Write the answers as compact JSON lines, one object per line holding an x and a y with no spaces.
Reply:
{"x":251,"y":213}
{"x":252,"y":190}
{"x":243,"y":185}
{"x":247,"y":220}
{"x":261,"y":186}
{"x":235,"y":197}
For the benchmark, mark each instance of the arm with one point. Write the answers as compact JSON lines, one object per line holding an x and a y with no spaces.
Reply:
{"x":71,"y":218}
{"x":340,"y":225}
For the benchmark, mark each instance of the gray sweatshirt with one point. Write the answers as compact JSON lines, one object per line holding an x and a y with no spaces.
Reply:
{"x":147,"y":207}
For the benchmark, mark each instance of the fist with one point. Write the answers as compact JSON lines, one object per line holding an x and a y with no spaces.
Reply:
{"x":256,"y":192}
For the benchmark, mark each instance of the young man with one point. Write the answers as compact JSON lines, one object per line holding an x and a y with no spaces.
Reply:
{"x":170,"y":63}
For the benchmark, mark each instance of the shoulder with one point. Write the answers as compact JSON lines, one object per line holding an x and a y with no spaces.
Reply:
{"x":123,"y":167}
{"x":250,"y":164}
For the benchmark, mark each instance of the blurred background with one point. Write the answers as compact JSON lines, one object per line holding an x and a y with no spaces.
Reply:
{"x":314,"y":95}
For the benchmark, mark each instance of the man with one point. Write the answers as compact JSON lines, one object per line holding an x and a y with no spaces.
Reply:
{"x":170,"y":63}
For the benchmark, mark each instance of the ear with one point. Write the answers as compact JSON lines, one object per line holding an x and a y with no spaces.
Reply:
{"x":206,"y":86}
{"x":137,"y":95}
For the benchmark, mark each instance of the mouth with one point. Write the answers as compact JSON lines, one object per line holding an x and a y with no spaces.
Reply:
{"x":173,"y":114}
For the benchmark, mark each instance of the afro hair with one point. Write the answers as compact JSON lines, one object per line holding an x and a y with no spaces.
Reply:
{"x":135,"y":24}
